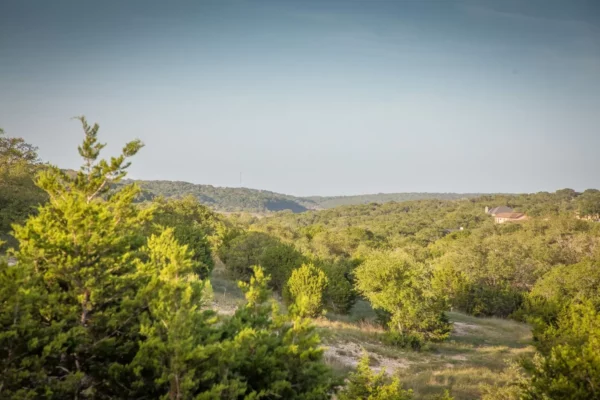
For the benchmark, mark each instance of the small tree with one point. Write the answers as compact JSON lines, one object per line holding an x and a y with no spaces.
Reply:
{"x":400,"y":287}
{"x":268,"y":354}
{"x":366,"y":385}
{"x":176,"y":328}
{"x":306,"y":287}
{"x":339,"y":295}
{"x":279,"y":260}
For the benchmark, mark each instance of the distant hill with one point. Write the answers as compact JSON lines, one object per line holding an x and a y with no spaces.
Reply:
{"x":252,"y":200}
{"x":227,"y":198}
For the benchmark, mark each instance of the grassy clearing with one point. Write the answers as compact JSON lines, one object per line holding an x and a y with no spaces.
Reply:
{"x":227,"y":296}
{"x":477,"y":352}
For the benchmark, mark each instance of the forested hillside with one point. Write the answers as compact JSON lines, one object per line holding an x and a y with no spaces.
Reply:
{"x":225,"y":198}
{"x":260,"y":201}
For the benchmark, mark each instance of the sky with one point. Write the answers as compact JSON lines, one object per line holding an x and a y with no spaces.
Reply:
{"x":314,"y":97}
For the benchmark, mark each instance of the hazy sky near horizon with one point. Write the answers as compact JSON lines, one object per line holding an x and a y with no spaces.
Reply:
{"x":315,"y":97}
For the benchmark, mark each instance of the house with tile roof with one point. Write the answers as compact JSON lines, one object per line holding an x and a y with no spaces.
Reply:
{"x":501,"y":218}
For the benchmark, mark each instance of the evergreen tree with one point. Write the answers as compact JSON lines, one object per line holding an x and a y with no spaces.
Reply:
{"x":339,"y":295}
{"x":277,"y":357}
{"x":278,"y":261}
{"x":305,"y":290}
{"x":176,"y":329}
{"x":80,"y":250}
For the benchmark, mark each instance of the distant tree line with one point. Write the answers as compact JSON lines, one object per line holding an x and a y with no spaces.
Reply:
{"x":230,"y":199}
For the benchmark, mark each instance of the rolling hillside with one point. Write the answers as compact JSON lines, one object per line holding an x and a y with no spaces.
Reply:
{"x":253,"y":200}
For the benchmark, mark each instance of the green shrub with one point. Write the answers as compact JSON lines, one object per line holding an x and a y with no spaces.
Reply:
{"x":476,"y":297}
{"x":305,"y":289}
{"x":340,"y":295}
{"x":194,"y":225}
{"x":570,"y":368}
{"x":405,"y":340}
{"x":366,"y":385}
{"x":278,"y":261}
{"x":245,"y":251}
{"x":401,"y":287}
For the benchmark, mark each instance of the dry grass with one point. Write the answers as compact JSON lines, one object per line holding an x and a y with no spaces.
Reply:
{"x":227,"y":296}
{"x":477,"y":352}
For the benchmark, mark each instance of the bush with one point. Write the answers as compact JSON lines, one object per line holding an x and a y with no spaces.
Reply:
{"x":571,"y":367}
{"x":412,"y":341}
{"x":256,"y":248}
{"x":279,"y":260}
{"x":245,"y":251}
{"x":305,"y":290}
{"x":340,"y":295}
{"x":365,"y":385}
{"x":399,"y":286}
{"x":95,"y":309}
{"x":476,"y":297}
{"x":195,"y":225}
{"x":487,"y":301}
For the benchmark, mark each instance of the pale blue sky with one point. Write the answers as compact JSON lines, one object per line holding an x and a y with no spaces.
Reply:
{"x":315,"y":97}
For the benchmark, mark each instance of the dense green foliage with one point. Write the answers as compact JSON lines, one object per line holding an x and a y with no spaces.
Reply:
{"x":340,"y":294}
{"x":491,"y":270}
{"x":279,"y":259}
{"x":569,"y":365}
{"x":243,"y":252}
{"x":18,"y":193}
{"x":401,"y":288}
{"x":101,"y":307}
{"x":78,"y":254}
{"x":194,"y":225}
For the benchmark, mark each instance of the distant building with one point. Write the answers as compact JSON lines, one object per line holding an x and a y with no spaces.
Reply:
{"x":498,"y":210}
{"x":503,"y":217}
